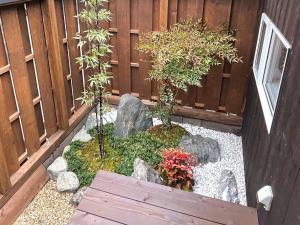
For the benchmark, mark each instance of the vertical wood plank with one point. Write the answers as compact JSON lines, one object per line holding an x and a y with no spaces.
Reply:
{"x":16,"y":55}
{"x":173,"y":12}
{"x":216,"y":14}
{"x":58,"y":79}
{"x":242,"y":11}
{"x":7,"y":138}
{"x":194,"y":12}
{"x":163,"y":14}
{"x":123,"y":45}
{"x":71,"y":23}
{"x":145,"y":25}
{"x":42,"y":66}
{"x":5,"y":184}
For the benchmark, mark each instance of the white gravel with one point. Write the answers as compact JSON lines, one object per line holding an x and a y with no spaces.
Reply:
{"x":207,"y":176}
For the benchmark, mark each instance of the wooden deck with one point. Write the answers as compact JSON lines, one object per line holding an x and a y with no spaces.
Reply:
{"x":116,"y":199}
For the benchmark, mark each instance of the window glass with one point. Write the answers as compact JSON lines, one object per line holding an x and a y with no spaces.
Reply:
{"x":268,"y":66}
{"x":274,"y":71}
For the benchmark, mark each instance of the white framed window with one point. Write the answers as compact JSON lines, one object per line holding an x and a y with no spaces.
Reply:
{"x":268,"y":67}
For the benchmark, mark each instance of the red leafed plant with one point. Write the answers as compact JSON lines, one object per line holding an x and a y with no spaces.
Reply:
{"x":176,"y":169}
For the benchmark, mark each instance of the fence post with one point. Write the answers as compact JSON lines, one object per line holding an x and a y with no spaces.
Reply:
{"x":55,"y":62}
{"x":163,"y":14}
{"x":5,"y":183}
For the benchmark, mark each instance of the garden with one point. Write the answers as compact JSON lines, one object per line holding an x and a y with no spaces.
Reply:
{"x":142,"y":141}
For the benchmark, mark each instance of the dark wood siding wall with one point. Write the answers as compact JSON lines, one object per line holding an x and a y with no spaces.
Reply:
{"x":274,"y":159}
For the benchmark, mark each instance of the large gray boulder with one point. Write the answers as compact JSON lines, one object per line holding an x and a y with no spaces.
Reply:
{"x":78,"y":196}
{"x":227,"y":189}
{"x":60,"y":165}
{"x":143,"y":171}
{"x":67,"y":182}
{"x":205,"y":149}
{"x":132,"y":116}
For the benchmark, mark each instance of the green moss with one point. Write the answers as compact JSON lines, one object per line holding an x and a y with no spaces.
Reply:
{"x":169,"y":136}
{"x":84,"y":160}
{"x":90,"y":155}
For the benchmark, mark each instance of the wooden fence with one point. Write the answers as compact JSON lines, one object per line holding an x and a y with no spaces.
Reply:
{"x":40,"y":82}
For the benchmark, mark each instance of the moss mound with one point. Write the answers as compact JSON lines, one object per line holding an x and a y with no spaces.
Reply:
{"x":170,"y":136}
{"x":120,"y":153}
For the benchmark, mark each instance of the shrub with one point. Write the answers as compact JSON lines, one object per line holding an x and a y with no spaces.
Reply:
{"x":181,"y":57}
{"x":176,"y":169}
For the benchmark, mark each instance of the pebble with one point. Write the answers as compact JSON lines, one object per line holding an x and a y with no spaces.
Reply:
{"x":48,"y":208}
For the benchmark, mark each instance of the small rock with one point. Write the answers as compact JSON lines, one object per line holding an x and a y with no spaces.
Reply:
{"x":67,"y":181}
{"x":83,"y":136}
{"x":77,"y":197}
{"x":90,"y":122}
{"x":132,"y":116}
{"x":59,"y":166}
{"x":227,"y":190}
{"x":66,"y":149}
{"x":206,"y":149}
{"x":143,"y":171}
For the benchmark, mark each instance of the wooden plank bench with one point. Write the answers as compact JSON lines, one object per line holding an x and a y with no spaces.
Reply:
{"x":117,"y":199}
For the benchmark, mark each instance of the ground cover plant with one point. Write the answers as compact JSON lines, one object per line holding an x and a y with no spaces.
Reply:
{"x":84,"y":160}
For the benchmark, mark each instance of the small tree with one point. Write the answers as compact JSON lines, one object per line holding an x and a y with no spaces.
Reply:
{"x":181,"y":57}
{"x":96,"y":49}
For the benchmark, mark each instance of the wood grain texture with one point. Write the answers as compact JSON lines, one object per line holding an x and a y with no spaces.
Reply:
{"x":123,"y":45}
{"x":5,"y":184}
{"x":16,"y":55}
{"x":173,"y":199}
{"x":42,"y":65}
{"x":273,"y":158}
{"x":145,"y":10}
{"x":58,"y":79}
{"x":7,"y":139}
{"x":127,"y":200}
{"x":71,"y":25}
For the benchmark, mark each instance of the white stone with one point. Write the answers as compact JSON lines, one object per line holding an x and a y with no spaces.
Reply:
{"x":90,"y":122}
{"x":83,"y":136}
{"x":66,"y":149}
{"x":58,"y":166}
{"x":67,"y":182}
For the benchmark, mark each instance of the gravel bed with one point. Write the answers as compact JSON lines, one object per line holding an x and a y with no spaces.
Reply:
{"x":48,"y":208}
{"x":207,"y":176}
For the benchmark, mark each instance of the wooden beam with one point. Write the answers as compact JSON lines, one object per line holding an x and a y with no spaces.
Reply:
{"x":56,"y":67}
{"x":16,"y":205}
{"x":7,"y":137}
{"x":42,"y":65}
{"x":16,"y":54}
{"x":163,"y":14}
{"x":228,"y":119}
{"x":5,"y":184}
{"x":71,"y":25}
{"x":123,"y":45}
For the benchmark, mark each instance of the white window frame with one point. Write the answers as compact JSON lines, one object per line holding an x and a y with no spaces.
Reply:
{"x":259,"y":73}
